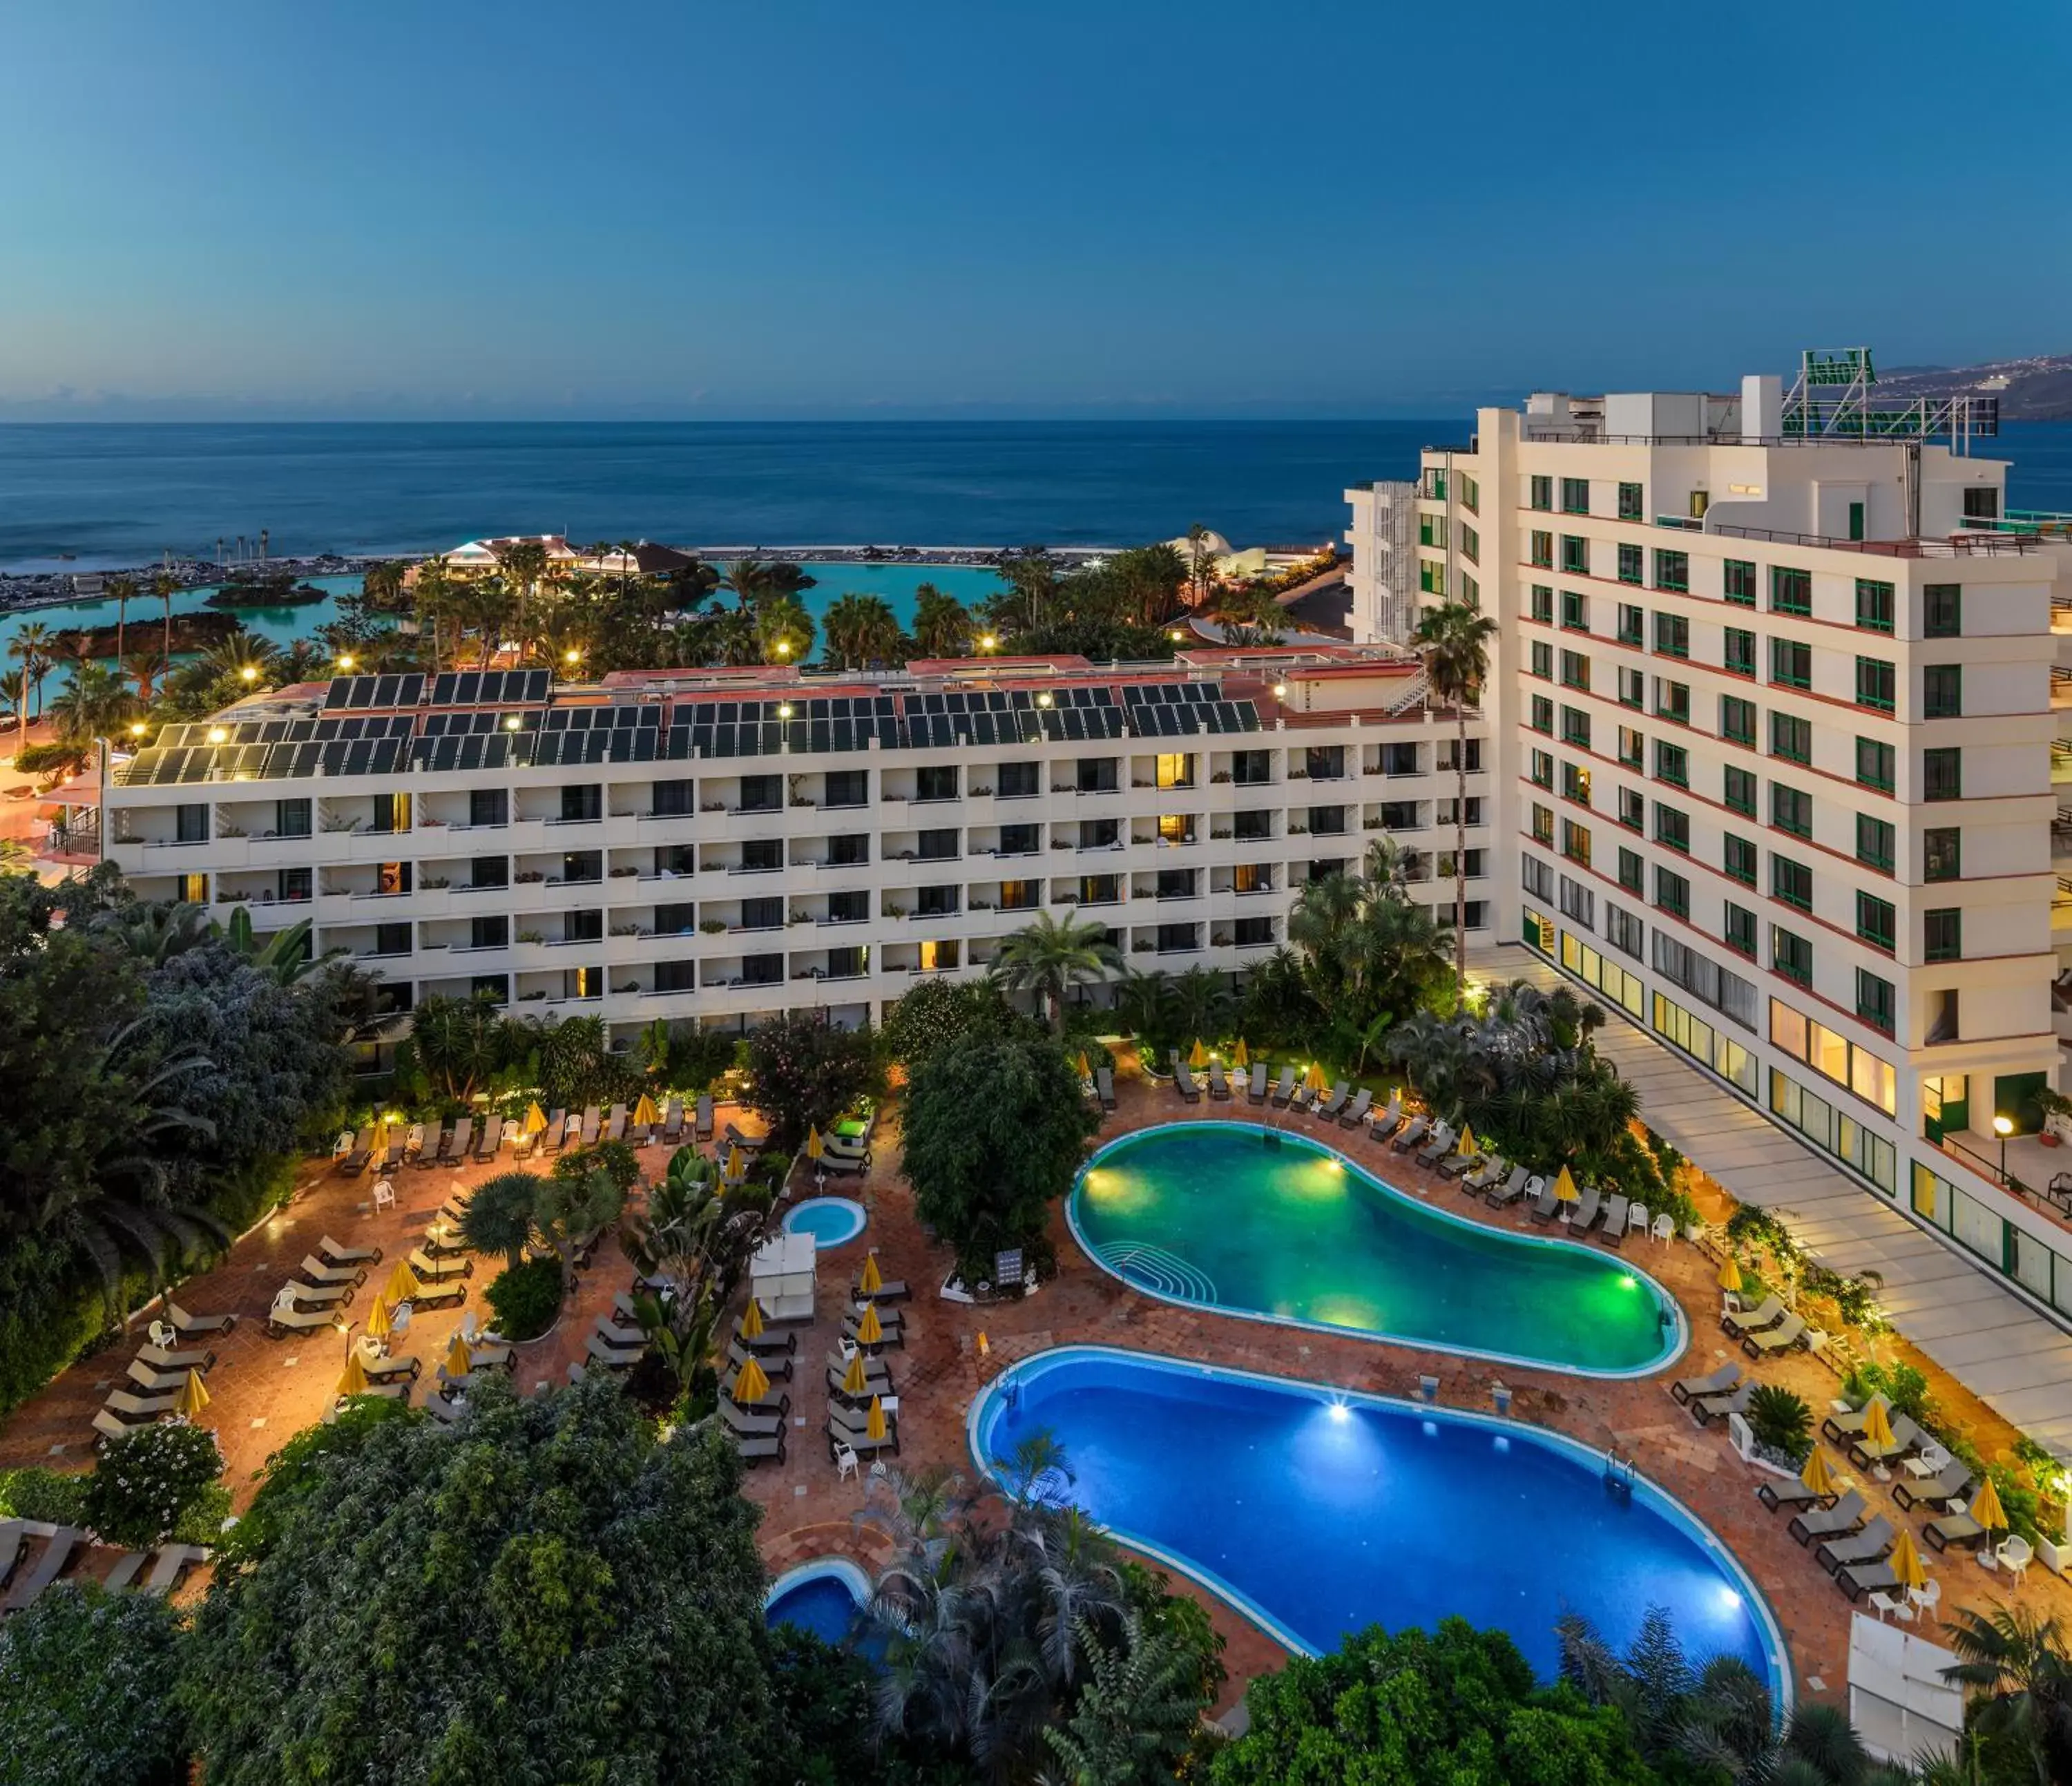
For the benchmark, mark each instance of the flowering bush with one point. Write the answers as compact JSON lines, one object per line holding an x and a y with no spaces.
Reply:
{"x":149,"y":1482}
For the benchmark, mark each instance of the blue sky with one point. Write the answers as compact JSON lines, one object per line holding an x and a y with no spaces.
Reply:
{"x":624,"y":210}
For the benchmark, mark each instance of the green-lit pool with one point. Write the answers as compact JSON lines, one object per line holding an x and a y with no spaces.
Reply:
{"x":1248,"y":1221}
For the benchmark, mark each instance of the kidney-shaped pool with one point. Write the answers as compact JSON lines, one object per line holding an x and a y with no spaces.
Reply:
{"x":1319,"y":1511}
{"x":1250,"y":1221}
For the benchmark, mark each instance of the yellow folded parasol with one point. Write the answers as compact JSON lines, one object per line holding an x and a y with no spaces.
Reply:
{"x":1816,"y":1475}
{"x":815,"y":1146}
{"x":751,"y":1320}
{"x":1906,"y":1562}
{"x":870,"y":1330}
{"x":1564,"y":1188}
{"x":1467,"y":1147}
{"x":750,"y":1386}
{"x":645,"y":1115}
{"x":536,"y":1118}
{"x":459,"y":1360}
{"x":1240,"y":1056}
{"x":1730,"y":1273}
{"x":1085,"y":1067}
{"x":192,"y":1397}
{"x":1198,"y":1056}
{"x":874,"y":1425}
{"x":379,"y":1323}
{"x":354,"y":1381}
{"x":1877,"y":1426}
{"x":402,"y":1284}
{"x":1986,"y":1507}
{"x":856,"y":1378}
{"x":871,"y":1281}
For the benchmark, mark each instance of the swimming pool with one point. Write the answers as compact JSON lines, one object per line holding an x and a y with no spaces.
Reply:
{"x":826,"y":1597}
{"x":1319,"y":1511}
{"x":1249,"y":1220}
{"x":832,"y":1220}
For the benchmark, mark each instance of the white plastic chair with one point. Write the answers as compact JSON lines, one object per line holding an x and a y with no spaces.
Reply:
{"x":284,"y":1303}
{"x":890,"y":1404}
{"x":1636,"y":1217}
{"x":399,"y":1321}
{"x":384,"y":1194}
{"x":1665,"y":1227}
{"x":2016,"y":1553}
{"x":1928,"y":1596}
{"x":1889,"y":1603}
{"x":163,"y":1335}
{"x":844,"y":1462}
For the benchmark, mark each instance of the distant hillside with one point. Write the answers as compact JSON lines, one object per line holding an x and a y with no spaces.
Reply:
{"x":2036,"y":389}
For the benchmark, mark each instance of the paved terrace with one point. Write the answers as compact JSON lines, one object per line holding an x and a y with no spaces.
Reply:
{"x":1963,"y":1317}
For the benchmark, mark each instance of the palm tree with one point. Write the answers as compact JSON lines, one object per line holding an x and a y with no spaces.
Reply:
{"x":1048,"y":959}
{"x":861,"y":629}
{"x":124,"y":590}
{"x":382,"y":585}
{"x":524,"y":564}
{"x":93,"y":704}
{"x":31,"y":647}
{"x":747,"y":578}
{"x":1201,"y":563}
{"x":498,"y":1217}
{"x":143,"y":668}
{"x":2021,"y":1663}
{"x":433,"y":591}
{"x":1453,"y":638}
{"x":784,"y":630}
{"x":942,"y":626}
{"x":165,"y":585}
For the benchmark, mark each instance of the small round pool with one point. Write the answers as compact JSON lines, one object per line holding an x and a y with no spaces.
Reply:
{"x":832,"y":1220}
{"x":828,"y":1598}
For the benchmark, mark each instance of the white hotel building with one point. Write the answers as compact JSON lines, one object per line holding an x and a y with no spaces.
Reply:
{"x":1773,"y":736}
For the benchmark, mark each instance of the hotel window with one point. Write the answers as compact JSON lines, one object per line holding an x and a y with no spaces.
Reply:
{"x":1179,"y":828}
{"x":1672,"y":570}
{"x":1542,"y":497}
{"x":1017,"y":780}
{"x":1874,"y":605}
{"x":1176,"y":771}
{"x":1741,"y":854}
{"x":392,"y":877}
{"x":1631,"y":873}
{"x":1739,"y":585}
{"x":1574,"y":555}
{"x":1982,"y":503}
{"x":1471,"y":544}
{"x":1672,"y":763}
{"x":1099,"y":889}
{"x":1941,"y":855}
{"x":292,"y":886}
{"x":1791,"y":882}
{"x":1624,"y":931}
{"x":1542,"y":711}
{"x":1790,"y":591}
{"x":392,"y":939}
{"x":679,"y":799}
{"x":848,"y":851}
{"x":1632,"y":621}
{"x":1672,"y":634}
{"x":1632,"y":747}
{"x":1435,"y":483}
{"x":1471,"y":495}
{"x":851,"y":787}
{"x":1576,"y":671}
{"x":1790,"y":954}
{"x":1575,"y":726}
{"x":1942,"y":691}
{"x":496,"y":987}
{"x":1542,"y":603}
{"x":1740,"y":791}
{"x":582,"y":803}
{"x":1943,"y":774}
{"x":1575,"y":496}
{"x":931,"y":782}
{"x":1874,"y":921}
{"x":1632,"y":809}
{"x":1254,"y":768}
{"x":1741,"y":929}
{"x":1576,"y":842}
{"x":488,"y":806}
{"x":1874,"y":843}
{"x":1790,"y":738}
{"x":1579,"y":902}
{"x":1575,"y":783}
{"x":1791,"y":810}
{"x":1536,"y":876}
{"x":191,"y":889}
{"x":191,"y":823}
{"x":1539,"y":768}
{"x":1632,"y":687}
{"x":1672,"y":827}
{"x":1943,"y":934}
{"x":1251,"y":877}
{"x":1941,"y":611}
{"x":1672,"y":701}
{"x":1790,"y":663}
{"x":1737,"y":656}
{"x":1542,"y":660}
{"x":1432,"y":531}
{"x":1018,"y":896}
{"x":1874,"y":764}
{"x":1672,"y":893}
{"x":1432,"y":577}
{"x":1630,"y":505}
{"x":1542,"y":548}
{"x":1575,"y":611}
{"x":1542,"y":824}
{"x":1253,"y":933}
{"x":1737,"y":719}
{"x":291,"y":818}
{"x":1874,"y":683}
{"x":1629,"y":564}
{"x":489,"y":932}
{"x":1875,"y":1002}
{"x":939,"y":957}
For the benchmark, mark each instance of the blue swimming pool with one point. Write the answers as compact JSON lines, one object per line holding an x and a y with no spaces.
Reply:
{"x":832,"y":1220}
{"x":1320,"y":1512}
{"x":825,"y":1597}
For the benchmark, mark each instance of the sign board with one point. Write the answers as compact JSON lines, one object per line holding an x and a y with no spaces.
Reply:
{"x":1007,"y":1267}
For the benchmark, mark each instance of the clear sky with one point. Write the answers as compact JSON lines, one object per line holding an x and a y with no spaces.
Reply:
{"x":787,"y":207}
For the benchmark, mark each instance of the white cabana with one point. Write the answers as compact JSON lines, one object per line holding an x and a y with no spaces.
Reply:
{"x":780,"y":1277}
{"x":1898,"y":1701}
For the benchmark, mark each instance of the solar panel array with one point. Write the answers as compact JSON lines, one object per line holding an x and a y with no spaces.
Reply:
{"x":506,"y":726}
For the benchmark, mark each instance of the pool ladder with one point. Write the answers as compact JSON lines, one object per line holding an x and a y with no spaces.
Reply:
{"x":1618,"y":1477}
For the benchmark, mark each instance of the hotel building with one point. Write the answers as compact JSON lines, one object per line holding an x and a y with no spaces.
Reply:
{"x":1772,"y":724}
{"x":721,"y":845}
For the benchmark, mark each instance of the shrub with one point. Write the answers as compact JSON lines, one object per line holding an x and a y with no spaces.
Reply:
{"x":87,"y":1696}
{"x":296,"y":1471}
{"x":698,"y":1056}
{"x":526,"y":1298}
{"x":1781,"y":1421}
{"x":804,"y":1071}
{"x":150,"y":1482}
{"x":56,"y":1496}
{"x":615,"y":1159}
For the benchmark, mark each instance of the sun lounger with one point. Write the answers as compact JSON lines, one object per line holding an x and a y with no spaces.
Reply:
{"x":776,"y":1401}
{"x":190,"y":1325}
{"x":1510,"y":1190}
{"x":1706,"y":1408}
{"x":1183,"y":1082}
{"x":843,"y":1164}
{"x":759,"y":1448}
{"x":355,"y":1162}
{"x":610,"y":1357}
{"x":1738,"y":1322}
{"x":1386,"y":1121}
{"x":139,"y":1407}
{"x":1544,"y":1205}
{"x":453,"y":1149}
{"x":1906,"y":1436}
{"x":391,"y":1370}
{"x":1789,"y":1332}
{"x":623,"y":1338}
{"x":1951,"y":1529}
{"x":1717,"y":1382}
{"x":1415,"y":1130}
{"x":173,"y":1561}
{"x":777,"y":1366}
{"x":61,"y":1549}
{"x":749,"y":1422}
{"x":1875,"y":1541}
{"x":1458,"y":1164}
{"x":528,"y":1145}
{"x":1437,"y":1145}
{"x":1356,"y":1112}
{"x":158,"y":1358}
{"x":551,"y":1137}
{"x":1490,"y":1172}
{"x":1585,"y":1211}
{"x":890,"y":1290}
{"x":1255,"y":1088}
{"x":615,"y":1126}
{"x":314,"y":1269}
{"x":285,"y":1318}
{"x":317,"y":1295}
{"x":1843,"y":1427}
{"x":894,"y":1336}
{"x":123,"y":1576}
{"x":768,"y":1344}
{"x":111,"y":1425}
{"x":1329,"y":1107}
{"x":391,"y":1160}
{"x":490,"y":1139}
{"x":431,"y":1295}
{"x":1774,"y":1493}
{"x":672,"y":1122}
{"x":1613,"y":1231}
{"x":153,"y":1381}
{"x":1284,"y":1091}
{"x":1219,"y":1085}
{"x":732,"y":1137}
{"x":437,"y":1270}
{"x":593,"y":1118}
{"x":348,"y":1255}
{"x":1846,"y":1515}
{"x":702,"y":1128}
{"x":1951,"y":1483}
{"x":1104,"y":1088}
{"x":878,"y":1378}
{"x":855,"y":1436}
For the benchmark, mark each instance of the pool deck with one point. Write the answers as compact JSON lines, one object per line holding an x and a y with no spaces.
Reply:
{"x":263,"y":1390}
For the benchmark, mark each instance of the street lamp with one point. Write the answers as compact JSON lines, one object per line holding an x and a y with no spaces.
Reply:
{"x":216,"y":734}
{"x":250,"y":673}
{"x":572,"y":655}
{"x":345,"y":660}
{"x":2002,"y":1128}
{"x":784,"y":711}
{"x":137,"y":729}
{"x":783,"y":647}
{"x":989,"y":643}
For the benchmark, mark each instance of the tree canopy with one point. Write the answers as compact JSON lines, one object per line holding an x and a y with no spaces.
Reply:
{"x":804,"y":1071}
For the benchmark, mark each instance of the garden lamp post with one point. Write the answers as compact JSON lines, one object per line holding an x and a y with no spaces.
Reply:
{"x":2003,"y":1128}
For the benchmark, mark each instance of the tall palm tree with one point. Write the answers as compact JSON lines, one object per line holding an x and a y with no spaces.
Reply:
{"x":93,"y":705}
{"x":382,"y":585}
{"x":2023,"y":1664}
{"x":784,"y":629}
{"x":1049,"y":959}
{"x":143,"y":668}
{"x":1201,"y":563}
{"x":124,"y":590}
{"x":748,"y":579}
{"x":165,"y":585}
{"x":433,"y":589}
{"x":861,"y":629}
{"x":524,"y":564}
{"x":1454,"y":641}
{"x":31,"y":647}
{"x":943,"y":624}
